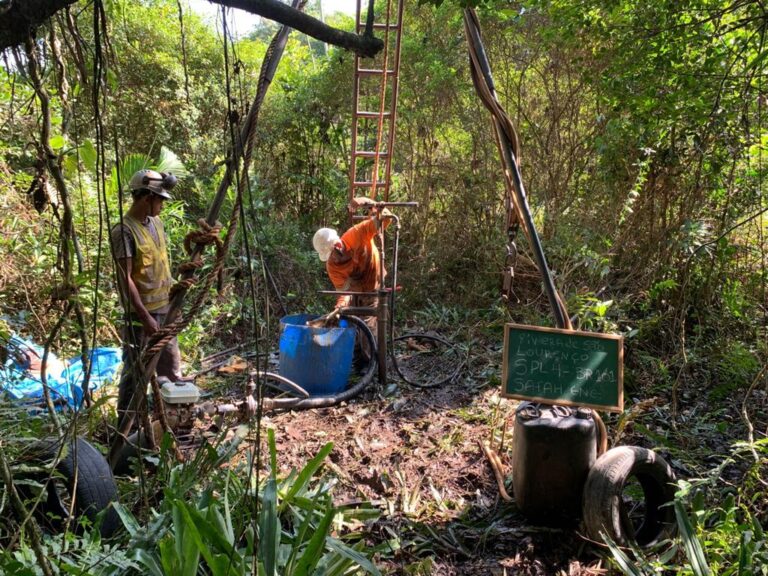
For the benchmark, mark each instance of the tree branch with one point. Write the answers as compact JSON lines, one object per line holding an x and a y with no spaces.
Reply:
{"x":20,"y":17}
{"x":367,"y":46}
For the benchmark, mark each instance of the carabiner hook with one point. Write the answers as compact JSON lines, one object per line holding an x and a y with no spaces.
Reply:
{"x":511,"y":258}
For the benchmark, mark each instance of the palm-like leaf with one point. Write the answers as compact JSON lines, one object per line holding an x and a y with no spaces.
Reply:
{"x":169,"y":162}
{"x":132,"y":163}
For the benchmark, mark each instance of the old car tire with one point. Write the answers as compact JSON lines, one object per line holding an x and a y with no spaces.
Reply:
{"x":95,"y":489}
{"x":604,"y":507}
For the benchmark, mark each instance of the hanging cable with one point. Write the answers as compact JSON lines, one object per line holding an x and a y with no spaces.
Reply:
{"x":98,"y":93}
{"x":236,"y":144}
{"x":271,"y":59}
{"x":506,"y":138}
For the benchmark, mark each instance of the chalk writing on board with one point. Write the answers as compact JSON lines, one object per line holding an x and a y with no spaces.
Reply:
{"x":563,"y":366}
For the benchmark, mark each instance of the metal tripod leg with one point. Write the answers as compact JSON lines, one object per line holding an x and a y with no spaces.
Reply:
{"x":381,"y":335}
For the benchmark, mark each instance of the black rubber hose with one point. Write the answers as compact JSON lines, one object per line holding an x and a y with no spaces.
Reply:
{"x":416,"y":335}
{"x":422,"y":336}
{"x":325,"y":401}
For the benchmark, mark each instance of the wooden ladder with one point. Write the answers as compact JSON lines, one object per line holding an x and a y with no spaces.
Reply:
{"x":371,"y":166}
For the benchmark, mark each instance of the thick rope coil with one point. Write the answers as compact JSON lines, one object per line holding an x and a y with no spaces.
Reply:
{"x":208,"y":235}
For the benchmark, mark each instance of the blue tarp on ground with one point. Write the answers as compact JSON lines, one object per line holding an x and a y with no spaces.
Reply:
{"x":65,"y":381}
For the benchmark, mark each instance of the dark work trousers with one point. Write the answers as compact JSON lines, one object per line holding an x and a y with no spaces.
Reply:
{"x":363,"y":350}
{"x":168,"y":365}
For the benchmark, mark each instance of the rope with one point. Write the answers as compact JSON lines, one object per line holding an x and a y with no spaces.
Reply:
{"x":206,"y":236}
{"x":166,"y":333}
{"x":99,"y":73}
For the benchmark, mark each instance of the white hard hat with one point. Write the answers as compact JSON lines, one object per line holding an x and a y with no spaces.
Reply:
{"x":324,"y":241}
{"x":156,"y":182}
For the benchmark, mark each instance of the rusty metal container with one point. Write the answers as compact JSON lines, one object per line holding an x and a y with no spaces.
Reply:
{"x":553,"y":448}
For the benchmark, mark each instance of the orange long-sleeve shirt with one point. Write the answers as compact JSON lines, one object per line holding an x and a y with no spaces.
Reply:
{"x":358,"y":268}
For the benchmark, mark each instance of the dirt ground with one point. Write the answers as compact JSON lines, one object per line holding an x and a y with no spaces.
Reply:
{"x":415,"y":454}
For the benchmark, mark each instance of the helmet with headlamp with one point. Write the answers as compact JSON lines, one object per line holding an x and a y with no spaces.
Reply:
{"x":158,"y":183}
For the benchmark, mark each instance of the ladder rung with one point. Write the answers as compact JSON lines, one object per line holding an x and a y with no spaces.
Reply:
{"x":360,"y":184}
{"x":379,"y":26}
{"x":369,"y":154}
{"x":373,"y":72}
{"x":368,"y":114}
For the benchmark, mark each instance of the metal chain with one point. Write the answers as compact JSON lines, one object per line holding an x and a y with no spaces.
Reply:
{"x":510,"y":260}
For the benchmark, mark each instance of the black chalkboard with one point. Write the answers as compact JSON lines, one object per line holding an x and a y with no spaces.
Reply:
{"x":568,"y":367}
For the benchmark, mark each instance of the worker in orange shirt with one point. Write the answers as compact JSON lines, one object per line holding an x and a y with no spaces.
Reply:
{"x":352,"y":260}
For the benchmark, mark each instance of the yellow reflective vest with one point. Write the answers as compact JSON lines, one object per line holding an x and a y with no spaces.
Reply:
{"x":151,"y":270}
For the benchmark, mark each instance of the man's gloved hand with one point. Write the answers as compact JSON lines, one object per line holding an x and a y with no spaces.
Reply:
{"x":329,"y":319}
{"x":361,"y":202}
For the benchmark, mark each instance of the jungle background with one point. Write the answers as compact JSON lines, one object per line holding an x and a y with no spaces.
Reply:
{"x":643,"y":146}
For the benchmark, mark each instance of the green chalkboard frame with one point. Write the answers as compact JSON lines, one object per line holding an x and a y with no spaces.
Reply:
{"x":613,"y":403}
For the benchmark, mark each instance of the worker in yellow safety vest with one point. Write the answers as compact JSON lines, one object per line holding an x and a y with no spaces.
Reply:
{"x":144,"y":278}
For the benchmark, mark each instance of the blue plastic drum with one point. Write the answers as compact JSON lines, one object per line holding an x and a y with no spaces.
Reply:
{"x":317,"y":359}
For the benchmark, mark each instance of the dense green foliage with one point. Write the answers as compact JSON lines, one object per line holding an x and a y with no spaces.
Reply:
{"x":643,"y":142}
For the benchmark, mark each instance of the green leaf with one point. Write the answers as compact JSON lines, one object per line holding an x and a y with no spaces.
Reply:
{"x":357,"y":557}
{"x":169,"y":162}
{"x":149,"y":561}
{"x":692,"y":545}
{"x":269,"y":528}
{"x":69,"y":164}
{"x":622,"y":560}
{"x":306,"y":475}
{"x":300,"y":536}
{"x":272,"y":451}
{"x":745,"y":551}
{"x":128,"y":519}
{"x":208,"y":529}
{"x":88,"y":155}
{"x":112,"y":80}
{"x":314,"y":550}
{"x":5,"y":331}
{"x":57,"y":142}
{"x":192,"y":526}
{"x":186,"y":553}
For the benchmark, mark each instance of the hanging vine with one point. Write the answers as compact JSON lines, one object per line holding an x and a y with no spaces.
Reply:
{"x":68,"y":240}
{"x":183,"y":50}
